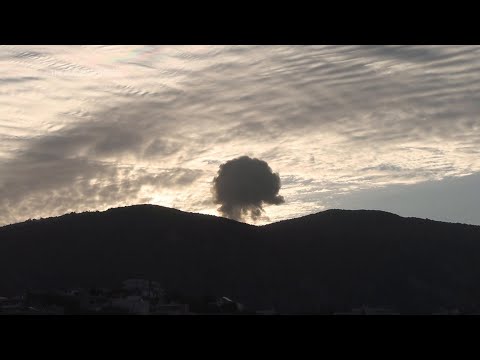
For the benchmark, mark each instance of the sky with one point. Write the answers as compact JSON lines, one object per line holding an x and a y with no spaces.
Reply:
{"x":393,"y":128}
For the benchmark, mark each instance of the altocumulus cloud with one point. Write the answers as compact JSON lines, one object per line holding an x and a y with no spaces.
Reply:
{"x":243,"y":185}
{"x":78,"y":168}
{"x":87,"y":127}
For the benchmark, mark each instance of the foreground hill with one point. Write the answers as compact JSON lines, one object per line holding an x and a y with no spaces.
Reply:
{"x":330,"y":261}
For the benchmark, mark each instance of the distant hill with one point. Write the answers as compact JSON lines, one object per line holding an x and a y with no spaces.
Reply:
{"x":325,"y":262}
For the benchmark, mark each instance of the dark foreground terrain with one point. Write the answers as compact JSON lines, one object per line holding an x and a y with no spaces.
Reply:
{"x":328,"y":262}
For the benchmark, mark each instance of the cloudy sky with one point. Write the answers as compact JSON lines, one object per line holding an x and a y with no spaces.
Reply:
{"x":395,"y":128}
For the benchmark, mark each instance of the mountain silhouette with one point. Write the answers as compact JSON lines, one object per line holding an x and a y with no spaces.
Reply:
{"x":322,"y":263}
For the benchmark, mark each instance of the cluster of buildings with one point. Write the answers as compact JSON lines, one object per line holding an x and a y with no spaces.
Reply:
{"x":142,"y":297}
{"x":366,"y":310}
{"x":135,"y":296}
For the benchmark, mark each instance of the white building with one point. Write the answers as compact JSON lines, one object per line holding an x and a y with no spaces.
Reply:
{"x":134,"y":304}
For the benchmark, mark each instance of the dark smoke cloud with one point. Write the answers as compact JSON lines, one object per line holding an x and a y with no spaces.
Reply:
{"x":243,"y":185}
